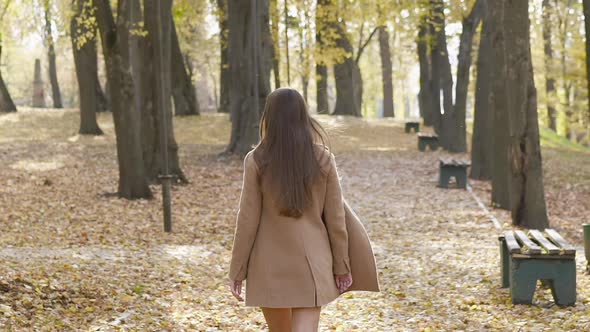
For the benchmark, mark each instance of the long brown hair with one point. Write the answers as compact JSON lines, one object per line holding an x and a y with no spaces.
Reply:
{"x":288,"y":150}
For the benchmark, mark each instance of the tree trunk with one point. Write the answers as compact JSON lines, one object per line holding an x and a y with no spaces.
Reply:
{"x":224,"y":74}
{"x":549,"y":79}
{"x":248,"y":92}
{"x":586,"y":4}
{"x":442,"y":69}
{"x":183,"y":90}
{"x":528,"y":196}
{"x":457,"y":137}
{"x":55,"y":91}
{"x":566,"y":83}
{"x":38,"y":87}
{"x":304,"y":48}
{"x":85,"y":61}
{"x":501,"y":193}
{"x":348,"y":79}
{"x":155,"y":79}
{"x":6,"y":103}
{"x":482,"y":142}
{"x":321,"y":70}
{"x":276,"y":49}
{"x":286,"y":27}
{"x":132,"y":180}
{"x":425,"y":96}
{"x":386,"y":72}
{"x":103,"y":100}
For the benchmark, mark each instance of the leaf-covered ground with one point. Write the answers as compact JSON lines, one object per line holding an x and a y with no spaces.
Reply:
{"x":75,"y":259}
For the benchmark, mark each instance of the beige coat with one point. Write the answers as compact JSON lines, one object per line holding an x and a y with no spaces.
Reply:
{"x":291,"y":262}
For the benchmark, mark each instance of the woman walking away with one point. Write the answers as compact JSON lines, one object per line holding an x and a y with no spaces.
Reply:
{"x":291,"y":240}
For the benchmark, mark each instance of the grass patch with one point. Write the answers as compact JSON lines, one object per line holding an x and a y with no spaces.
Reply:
{"x":550,"y":139}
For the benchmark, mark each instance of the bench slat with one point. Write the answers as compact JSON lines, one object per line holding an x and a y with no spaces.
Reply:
{"x":533,"y":249}
{"x":563,"y":244}
{"x":511,"y":243}
{"x":427,"y":135}
{"x":453,"y":162}
{"x":550,"y":247}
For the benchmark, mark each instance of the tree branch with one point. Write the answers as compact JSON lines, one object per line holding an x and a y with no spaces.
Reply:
{"x":5,"y":9}
{"x":362,"y":48}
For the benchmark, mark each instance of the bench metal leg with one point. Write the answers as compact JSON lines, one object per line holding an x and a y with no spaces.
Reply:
{"x":421,"y":146}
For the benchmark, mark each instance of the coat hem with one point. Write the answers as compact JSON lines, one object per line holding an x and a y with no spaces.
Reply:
{"x":290,"y":305}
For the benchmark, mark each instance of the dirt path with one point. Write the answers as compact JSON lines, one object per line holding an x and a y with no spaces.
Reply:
{"x":85,"y":262}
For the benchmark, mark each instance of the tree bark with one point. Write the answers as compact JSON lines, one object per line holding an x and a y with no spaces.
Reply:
{"x":286,"y":27}
{"x":6,"y":103}
{"x":114,"y":36}
{"x":55,"y":91}
{"x":442,"y":73}
{"x":425,"y":96}
{"x":501,"y":168}
{"x":586,"y":4}
{"x":525,"y":175}
{"x":457,"y":137}
{"x":276,"y":49}
{"x":321,"y":70}
{"x":549,"y":79}
{"x":38,"y":87}
{"x":244,"y":84}
{"x":483,"y":123}
{"x":224,"y":75}
{"x":86,"y":63}
{"x":566,"y":84}
{"x":386,"y":72}
{"x":103,"y":100}
{"x":156,"y":78}
{"x":347,"y":74}
{"x":183,"y":90}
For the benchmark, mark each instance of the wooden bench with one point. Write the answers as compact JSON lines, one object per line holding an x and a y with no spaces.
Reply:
{"x":412,"y":125}
{"x":430,"y":140}
{"x":453,"y":168}
{"x":538,"y":256}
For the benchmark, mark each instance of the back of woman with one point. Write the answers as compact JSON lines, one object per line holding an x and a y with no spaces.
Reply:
{"x":290,"y":241}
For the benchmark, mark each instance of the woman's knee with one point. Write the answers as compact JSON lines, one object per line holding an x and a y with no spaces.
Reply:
{"x":305,"y":319}
{"x":278,"y":319}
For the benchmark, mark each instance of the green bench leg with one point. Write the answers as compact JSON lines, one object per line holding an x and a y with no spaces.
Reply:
{"x":564,"y":287}
{"x":560,"y":274}
{"x":523,"y":282}
{"x":461,"y":180}
{"x":421,"y":145}
{"x":443,"y":179}
{"x":504,"y":263}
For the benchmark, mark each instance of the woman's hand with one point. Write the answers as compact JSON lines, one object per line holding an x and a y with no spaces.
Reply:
{"x":343,"y":282}
{"x":235,"y":286}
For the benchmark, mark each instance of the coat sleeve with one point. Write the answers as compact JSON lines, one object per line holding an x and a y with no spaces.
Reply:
{"x":335,"y":222}
{"x":247,"y":220}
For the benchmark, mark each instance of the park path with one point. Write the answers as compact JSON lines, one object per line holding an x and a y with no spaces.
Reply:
{"x":436,"y":251}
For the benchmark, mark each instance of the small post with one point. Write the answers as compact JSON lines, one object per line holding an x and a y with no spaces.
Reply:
{"x":587,"y":245}
{"x":164,"y":102}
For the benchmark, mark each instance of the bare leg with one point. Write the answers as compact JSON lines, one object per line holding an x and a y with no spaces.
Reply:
{"x":306,"y":319}
{"x":278,"y":319}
